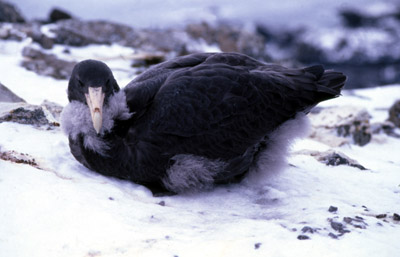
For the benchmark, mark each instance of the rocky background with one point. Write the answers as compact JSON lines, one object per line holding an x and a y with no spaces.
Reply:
{"x":365,"y":45}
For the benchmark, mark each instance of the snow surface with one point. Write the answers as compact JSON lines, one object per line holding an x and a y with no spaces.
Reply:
{"x":63,"y":209}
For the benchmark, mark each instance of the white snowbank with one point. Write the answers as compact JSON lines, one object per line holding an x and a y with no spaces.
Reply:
{"x":64,"y":209}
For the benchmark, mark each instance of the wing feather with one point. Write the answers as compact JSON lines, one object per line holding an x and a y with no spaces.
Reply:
{"x":225,"y":103}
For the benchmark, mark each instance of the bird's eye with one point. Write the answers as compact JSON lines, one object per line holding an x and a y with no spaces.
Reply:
{"x":80,"y":83}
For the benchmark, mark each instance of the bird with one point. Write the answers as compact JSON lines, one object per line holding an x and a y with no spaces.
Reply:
{"x":189,"y":123}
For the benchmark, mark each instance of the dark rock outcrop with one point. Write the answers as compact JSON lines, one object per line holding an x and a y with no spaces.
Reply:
{"x":230,"y":38}
{"x":333,"y":158}
{"x":386,"y":127}
{"x":353,"y":18}
{"x":340,"y":125}
{"x":9,"y":13}
{"x":82,"y":33}
{"x":54,"y":109}
{"x":57,"y":14}
{"x":46,"y":114}
{"x":46,"y":64}
{"x":365,"y":46}
{"x":21,"y":158}
{"x":394,"y":113}
{"x":6,"y":95}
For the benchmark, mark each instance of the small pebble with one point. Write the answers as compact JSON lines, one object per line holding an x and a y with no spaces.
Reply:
{"x":162,"y":203}
{"x":303,"y":237}
{"x":381,"y":216}
{"x":337,"y":226}
{"x":333,"y":236}
{"x":347,"y":219}
{"x":307,"y":229}
{"x":257,"y":245}
{"x":333,"y":209}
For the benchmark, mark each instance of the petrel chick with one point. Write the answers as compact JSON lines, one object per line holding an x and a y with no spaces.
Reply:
{"x":191,"y":122}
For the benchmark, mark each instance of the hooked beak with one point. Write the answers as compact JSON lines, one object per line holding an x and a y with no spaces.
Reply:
{"x":95,"y":99}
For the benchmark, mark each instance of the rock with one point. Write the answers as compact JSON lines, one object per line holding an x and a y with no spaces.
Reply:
{"x":307,"y":229}
{"x":303,"y":237}
{"x":394,"y":113}
{"x":396,"y":217}
{"x":339,"y":227}
{"x":19,"y":32}
{"x":352,"y":18}
{"x":332,"y":158}
{"x":24,"y":113}
{"x":21,"y":158}
{"x":171,"y":42}
{"x":74,"y":32}
{"x":9,"y":32}
{"x":386,"y":127}
{"x":46,"y":64}
{"x":368,"y":60}
{"x":161,"y":43}
{"x":332,"y":209}
{"x":336,"y":158}
{"x":358,"y":130}
{"x":9,"y":13}
{"x":257,"y":245}
{"x":230,"y":38}
{"x":146,"y":60}
{"x":52,"y":111}
{"x":333,"y":235}
{"x":22,"y":31}
{"x":6,"y":95}
{"x":381,"y":216}
{"x":357,"y":222}
{"x":34,"y":31}
{"x":333,"y":124}
{"x":57,"y":14}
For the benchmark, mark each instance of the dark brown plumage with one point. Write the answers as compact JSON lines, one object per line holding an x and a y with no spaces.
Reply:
{"x":211,"y":110}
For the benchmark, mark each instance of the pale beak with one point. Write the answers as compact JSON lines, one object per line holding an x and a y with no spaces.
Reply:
{"x":95,"y":99}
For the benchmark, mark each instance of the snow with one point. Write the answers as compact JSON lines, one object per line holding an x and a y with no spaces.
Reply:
{"x":63,"y":209}
{"x":373,"y":42}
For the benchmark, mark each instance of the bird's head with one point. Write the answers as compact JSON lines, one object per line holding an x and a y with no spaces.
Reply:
{"x":92,"y":83}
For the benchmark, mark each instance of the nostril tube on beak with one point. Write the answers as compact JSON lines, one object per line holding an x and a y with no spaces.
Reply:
{"x":95,"y":99}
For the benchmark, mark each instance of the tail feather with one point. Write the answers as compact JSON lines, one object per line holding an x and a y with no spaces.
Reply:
{"x":329,"y":82}
{"x":316,"y":70}
{"x":332,"y":80}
